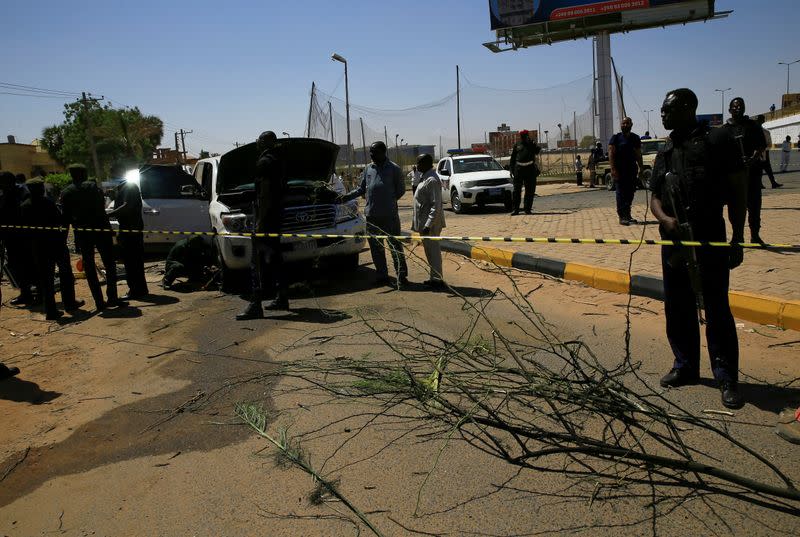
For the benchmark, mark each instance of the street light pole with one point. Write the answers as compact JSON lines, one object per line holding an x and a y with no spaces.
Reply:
{"x":396,"y":148}
{"x":338,"y":58}
{"x":547,"y":139}
{"x":788,"y":64}
{"x":648,"y":119}
{"x":722,"y":91}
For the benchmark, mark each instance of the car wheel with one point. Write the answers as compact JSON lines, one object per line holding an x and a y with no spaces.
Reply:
{"x":347,"y":263}
{"x":610,"y":185}
{"x":455,"y":202}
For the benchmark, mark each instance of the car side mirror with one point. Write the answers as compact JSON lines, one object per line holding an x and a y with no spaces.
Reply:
{"x":446,"y":173}
{"x":191,"y":191}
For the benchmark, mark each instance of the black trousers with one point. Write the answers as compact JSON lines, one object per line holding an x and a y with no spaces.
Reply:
{"x":754,"y":198}
{"x":45,"y":263}
{"x":87,"y":242}
{"x":525,"y":176}
{"x":20,"y":258}
{"x":767,"y":167}
{"x":132,"y":249}
{"x":66,"y":279}
{"x":267,"y":272}
{"x":683,"y":329}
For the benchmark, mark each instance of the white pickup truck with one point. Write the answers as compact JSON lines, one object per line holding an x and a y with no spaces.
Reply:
{"x":309,"y":164}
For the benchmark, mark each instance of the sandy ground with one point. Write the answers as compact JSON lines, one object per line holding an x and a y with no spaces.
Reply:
{"x":123,"y":424}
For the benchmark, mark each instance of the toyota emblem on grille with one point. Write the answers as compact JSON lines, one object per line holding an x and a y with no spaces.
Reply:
{"x":303,"y":218}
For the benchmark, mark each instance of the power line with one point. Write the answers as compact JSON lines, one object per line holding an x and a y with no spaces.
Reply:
{"x":62,"y":97}
{"x":9,"y":85}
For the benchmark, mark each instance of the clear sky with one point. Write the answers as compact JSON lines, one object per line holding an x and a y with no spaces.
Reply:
{"x":228,"y":70}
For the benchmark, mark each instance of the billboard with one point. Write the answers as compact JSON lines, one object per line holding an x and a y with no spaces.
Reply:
{"x":512,"y":13}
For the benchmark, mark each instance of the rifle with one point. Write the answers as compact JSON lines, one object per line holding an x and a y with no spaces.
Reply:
{"x":687,"y":254}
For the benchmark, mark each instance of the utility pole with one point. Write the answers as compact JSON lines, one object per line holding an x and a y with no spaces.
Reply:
{"x":177,"y":150}
{"x":183,"y":142}
{"x":385,"y":136}
{"x":363,"y":141}
{"x":458,"y":105}
{"x":330,"y":116}
{"x":788,"y":65}
{"x":722,"y":91}
{"x":89,"y":132}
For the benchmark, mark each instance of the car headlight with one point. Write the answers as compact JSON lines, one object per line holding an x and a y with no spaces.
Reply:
{"x":469,"y":184}
{"x":234,"y":223}
{"x":346,"y":211}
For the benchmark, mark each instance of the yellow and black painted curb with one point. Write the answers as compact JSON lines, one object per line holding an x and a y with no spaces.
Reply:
{"x":751,"y":307}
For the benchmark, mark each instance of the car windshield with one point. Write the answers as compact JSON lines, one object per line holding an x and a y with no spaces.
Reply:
{"x":652,"y":146}
{"x":469,"y":165}
{"x":163,"y":182}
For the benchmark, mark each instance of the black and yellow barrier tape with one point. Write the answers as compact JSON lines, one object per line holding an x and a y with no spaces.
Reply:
{"x":415,"y":237}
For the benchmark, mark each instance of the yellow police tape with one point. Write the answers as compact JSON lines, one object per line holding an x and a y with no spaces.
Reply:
{"x":408,"y":238}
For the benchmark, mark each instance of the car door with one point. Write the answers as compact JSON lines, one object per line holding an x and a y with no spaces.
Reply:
{"x":443,"y":170}
{"x":168,"y":206}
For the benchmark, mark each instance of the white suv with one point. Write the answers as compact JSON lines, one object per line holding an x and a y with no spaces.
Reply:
{"x":474,"y":179}
{"x":228,"y":180}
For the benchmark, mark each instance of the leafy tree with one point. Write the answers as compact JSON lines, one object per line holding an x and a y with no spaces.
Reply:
{"x":122,"y":136}
{"x":204,"y":154}
{"x":586,"y":141}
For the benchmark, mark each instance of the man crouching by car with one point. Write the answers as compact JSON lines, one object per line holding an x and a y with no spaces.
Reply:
{"x":270,"y":188}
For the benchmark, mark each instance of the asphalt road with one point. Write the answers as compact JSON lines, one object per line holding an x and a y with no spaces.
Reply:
{"x":123,"y":424}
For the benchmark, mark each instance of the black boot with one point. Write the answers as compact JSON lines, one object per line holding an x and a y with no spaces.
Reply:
{"x":253,"y":311}
{"x":281,"y":303}
{"x":730,"y":394}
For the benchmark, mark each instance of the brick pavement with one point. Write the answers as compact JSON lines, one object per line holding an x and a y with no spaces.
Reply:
{"x":565,"y":210}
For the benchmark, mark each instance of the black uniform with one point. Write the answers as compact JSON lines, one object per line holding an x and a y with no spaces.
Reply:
{"x":187,"y":258}
{"x":750,"y":138}
{"x":270,"y":189}
{"x":47,"y":246}
{"x":84,"y":208}
{"x":703,"y":159}
{"x":17,"y":244}
{"x":523,"y":166}
{"x":130,"y":238}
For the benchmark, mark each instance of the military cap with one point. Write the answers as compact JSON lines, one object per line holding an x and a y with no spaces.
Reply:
{"x":76,"y":165}
{"x":38,"y":180}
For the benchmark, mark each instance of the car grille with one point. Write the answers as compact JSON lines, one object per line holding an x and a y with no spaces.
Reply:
{"x":492,"y":182}
{"x":302,"y":219}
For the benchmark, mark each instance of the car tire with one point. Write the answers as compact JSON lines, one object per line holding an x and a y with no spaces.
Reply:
{"x":347,"y":263}
{"x":610,"y":185}
{"x":455,"y":202}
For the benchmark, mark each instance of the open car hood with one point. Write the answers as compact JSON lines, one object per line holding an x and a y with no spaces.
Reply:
{"x":304,"y":159}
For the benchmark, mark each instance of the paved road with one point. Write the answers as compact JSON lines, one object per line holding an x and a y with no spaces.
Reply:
{"x":565,"y":210}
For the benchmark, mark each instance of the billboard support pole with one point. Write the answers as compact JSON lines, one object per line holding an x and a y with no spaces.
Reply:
{"x":604,"y":88}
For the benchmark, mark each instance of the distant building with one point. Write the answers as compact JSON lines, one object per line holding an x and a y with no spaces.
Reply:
{"x":503,"y":139}
{"x":30,"y":159}
{"x":168,"y":155}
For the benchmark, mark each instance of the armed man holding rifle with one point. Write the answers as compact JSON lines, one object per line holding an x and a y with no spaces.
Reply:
{"x":699,"y":172}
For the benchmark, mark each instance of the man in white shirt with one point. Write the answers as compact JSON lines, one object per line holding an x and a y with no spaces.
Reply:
{"x":414,"y":175}
{"x":428,"y":217}
{"x":786,"y":151}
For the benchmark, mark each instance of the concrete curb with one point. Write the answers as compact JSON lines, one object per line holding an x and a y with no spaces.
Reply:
{"x":751,"y":307}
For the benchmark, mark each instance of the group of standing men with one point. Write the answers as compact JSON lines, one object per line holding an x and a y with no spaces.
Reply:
{"x":35,"y":248}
